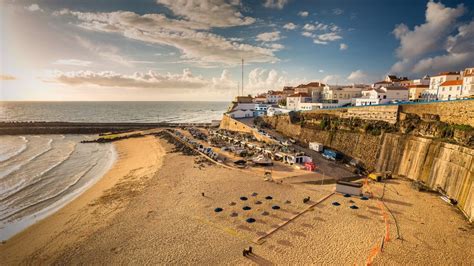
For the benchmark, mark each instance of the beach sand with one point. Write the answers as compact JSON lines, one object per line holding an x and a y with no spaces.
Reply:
{"x":92,"y":210}
{"x":149,"y":210}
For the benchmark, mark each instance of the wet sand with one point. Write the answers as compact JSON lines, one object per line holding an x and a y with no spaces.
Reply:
{"x":157,"y":215}
{"x":43,"y":241}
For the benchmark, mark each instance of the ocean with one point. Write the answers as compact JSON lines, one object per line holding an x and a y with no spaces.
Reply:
{"x":146,"y":112}
{"x":41,"y":173}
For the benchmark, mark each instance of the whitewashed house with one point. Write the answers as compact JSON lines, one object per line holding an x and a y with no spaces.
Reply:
{"x":450,"y":90}
{"x":274,"y":97}
{"x":382,"y":95}
{"x":241,"y":113}
{"x":436,"y":81}
{"x":468,"y":82}
{"x":293,"y":101}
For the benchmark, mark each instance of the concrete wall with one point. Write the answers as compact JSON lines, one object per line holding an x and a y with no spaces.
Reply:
{"x":439,"y":165}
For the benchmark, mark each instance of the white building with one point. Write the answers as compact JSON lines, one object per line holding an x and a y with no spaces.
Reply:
{"x":260,"y":99}
{"x":468,"y":82}
{"x":275,"y":96}
{"x":341,"y":95}
{"x":382,"y":95}
{"x":436,"y":81}
{"x":415,"y":92}
{"x":450,"y":90}
{"x":294,"y":100}
{"x":316,"y":106}
{"x":272,"y":111}
{"x":241,"y":113}
{"x":260,"y":109}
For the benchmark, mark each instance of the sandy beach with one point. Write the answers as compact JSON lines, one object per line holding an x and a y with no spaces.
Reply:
{"x":149,"y":209}
{"x":91,"y":210}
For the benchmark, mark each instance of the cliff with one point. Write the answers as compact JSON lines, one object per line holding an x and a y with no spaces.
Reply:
{"x":424,"y":142}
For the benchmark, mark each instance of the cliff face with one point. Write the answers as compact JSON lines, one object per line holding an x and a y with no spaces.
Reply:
{"x":414,"y":147}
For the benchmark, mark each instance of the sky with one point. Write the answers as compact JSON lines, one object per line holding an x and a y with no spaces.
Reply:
{"x":177,"y":50}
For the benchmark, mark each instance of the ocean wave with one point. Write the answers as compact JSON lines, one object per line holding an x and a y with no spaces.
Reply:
{"x":12,"y":154}
{"x":37,"y":178}
{"x":19,"y":166}
{"x":78,"y":176}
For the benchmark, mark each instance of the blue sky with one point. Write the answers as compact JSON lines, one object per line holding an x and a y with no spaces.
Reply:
{"x":191,"y":50}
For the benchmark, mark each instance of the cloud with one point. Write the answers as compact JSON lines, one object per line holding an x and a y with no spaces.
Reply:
{"x":187,"y":36}
{"x":343,"y":46}
{"x":330,"y":33}
{"x":309,"y":27}
{"x":330,"y":36}
{"x":331,"y":79}
{"x":34,"y":8}
{"x":290,"y":26}
{"x":261,"y":80}
{"x":303,"y":14}
{"x":337,"y":11}
{"x":357,"y":76}
{"x":321,"y":71}
{"x":417,"y":46}
{"x":269,"y":36}
{"x":110,"y":79}
{"x":72,"y":62}
{"x":7,"y":77}
{"x":278,"y":4}
{"x":215,"y":13}
{"x":107,"y":52}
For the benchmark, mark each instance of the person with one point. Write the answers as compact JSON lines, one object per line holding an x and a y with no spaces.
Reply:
{"x":250,"y":250}
{"x":245,"y":252}
{"x":202,"y":193}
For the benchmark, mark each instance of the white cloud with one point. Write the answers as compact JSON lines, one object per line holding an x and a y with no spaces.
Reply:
{"x":276,"y":46}
{"x":199,"y":46}
{"x":358,"y":76}
{"x":303,"y":14}
{"x":434,"y":37}
{"x":337,"y":11}
{"x":107,"y":52}
{"x":278,"y":4}
{"x":317,"y":41}
{"x":331,"y":79}
{"x":321,"y":71}
{"x":343,"y":46}
{"x":110,"y":79}
{"x":215,"y":13}
{"x":330,"y":33}
{"x":34,"y":8}
{"x":330,"y":36}
{"x":290,"y":26}
{"x":261,"y":80}
{"x":72,"y":62}
{"x":309,"y":27}
{"x":269,"y":36}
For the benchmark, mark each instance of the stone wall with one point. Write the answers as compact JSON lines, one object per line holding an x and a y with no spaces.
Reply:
{"x":455,"y":112}
{"x":231,"y":124}
{"x":380,"y":113}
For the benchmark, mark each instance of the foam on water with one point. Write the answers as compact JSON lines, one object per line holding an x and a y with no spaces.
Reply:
{"x":49,"y":180}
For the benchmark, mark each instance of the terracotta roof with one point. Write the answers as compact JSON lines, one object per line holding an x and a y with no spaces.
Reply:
{"x":451,"y":83}
{"x":383,"y":82}
{"x":311,"y":84}
{"x":300,"y":94}
{"x":446,"y":74}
